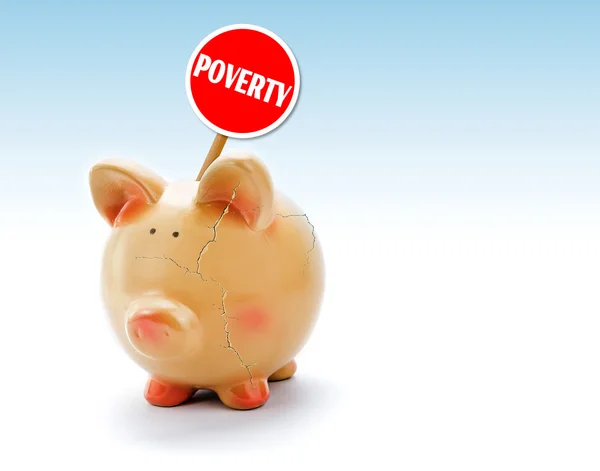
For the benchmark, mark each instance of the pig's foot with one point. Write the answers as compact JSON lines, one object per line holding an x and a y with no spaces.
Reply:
{"x":164,"y":394}
{"x":246,"y":395}
{"x":286,"y":372}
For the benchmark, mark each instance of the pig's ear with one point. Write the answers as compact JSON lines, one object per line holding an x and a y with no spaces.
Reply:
{"x":243,"y":180}
{"x":120,"y":189}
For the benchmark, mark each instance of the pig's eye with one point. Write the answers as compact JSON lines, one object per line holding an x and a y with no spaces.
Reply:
{"x":152,"y":231}
{"x":175,"y":234}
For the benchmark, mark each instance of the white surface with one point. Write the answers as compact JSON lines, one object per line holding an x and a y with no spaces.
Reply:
{"x":445,"y":342}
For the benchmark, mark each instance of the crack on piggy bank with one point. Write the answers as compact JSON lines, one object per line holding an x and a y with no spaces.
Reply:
{"x":229,"y":345}
{"x":164,"y":257}
{"x":224,"y":316}
{"x":214,"y":228}
{"x":214,"y":239}
{"x":222,"y":309}
{"x":313,"y":235}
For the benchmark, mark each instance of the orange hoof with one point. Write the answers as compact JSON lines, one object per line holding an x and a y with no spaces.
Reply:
{"x":248,"y":395}
{"x":285,"y":372}
{"x":163,"y":394}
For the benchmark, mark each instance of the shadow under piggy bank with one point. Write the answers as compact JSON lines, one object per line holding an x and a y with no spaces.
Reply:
{"x":295,"y":405}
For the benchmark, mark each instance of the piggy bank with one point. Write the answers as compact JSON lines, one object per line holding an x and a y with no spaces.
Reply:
{"x":210,"y":284}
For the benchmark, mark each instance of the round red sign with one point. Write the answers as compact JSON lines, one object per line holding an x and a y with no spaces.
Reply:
{"x":242,"y":81}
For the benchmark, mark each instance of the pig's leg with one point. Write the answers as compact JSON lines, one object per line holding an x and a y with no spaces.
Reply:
{"x":247,"y":395}
{"x":164,"y":394}
{"x":285,"y":372}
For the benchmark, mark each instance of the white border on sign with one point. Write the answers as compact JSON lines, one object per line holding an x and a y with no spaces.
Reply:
{"x":281,"y":119}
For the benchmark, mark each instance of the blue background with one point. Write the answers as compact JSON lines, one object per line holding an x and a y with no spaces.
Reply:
{"x":438,"y":99}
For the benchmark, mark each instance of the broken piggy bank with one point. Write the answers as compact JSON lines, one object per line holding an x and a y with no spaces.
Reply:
{"x":213,"y":284}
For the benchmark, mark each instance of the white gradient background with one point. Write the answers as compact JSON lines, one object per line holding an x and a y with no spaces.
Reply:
{"x":448,"y":154}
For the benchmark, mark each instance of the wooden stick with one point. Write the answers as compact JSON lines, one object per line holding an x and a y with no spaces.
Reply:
{"x":213,"y":153}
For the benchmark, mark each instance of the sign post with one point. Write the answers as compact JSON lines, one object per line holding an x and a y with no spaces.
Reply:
{"x":242,"y":81}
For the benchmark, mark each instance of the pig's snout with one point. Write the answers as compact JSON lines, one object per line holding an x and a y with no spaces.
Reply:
{"x":151,"y":325}
{"x":161,"y":329}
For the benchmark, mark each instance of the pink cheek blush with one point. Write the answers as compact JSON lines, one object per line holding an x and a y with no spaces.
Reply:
{"x":252,"y":319}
